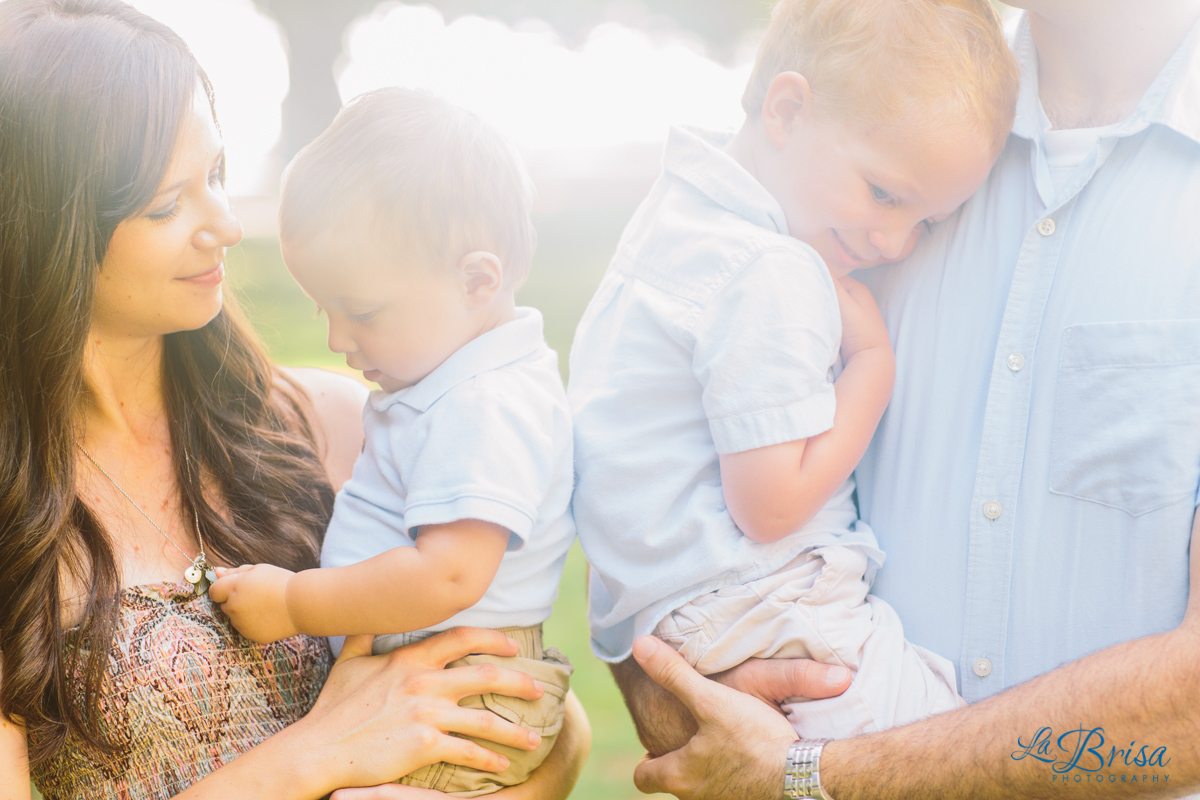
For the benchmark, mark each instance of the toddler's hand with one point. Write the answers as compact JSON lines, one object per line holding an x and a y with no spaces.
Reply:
{"x":862,"y":324}
{"x":255,"y":598}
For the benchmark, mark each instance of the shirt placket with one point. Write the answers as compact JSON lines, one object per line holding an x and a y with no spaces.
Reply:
{"x":1001,"y":454}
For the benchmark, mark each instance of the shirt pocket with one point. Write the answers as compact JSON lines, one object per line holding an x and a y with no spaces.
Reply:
{"x":1127,"y":414}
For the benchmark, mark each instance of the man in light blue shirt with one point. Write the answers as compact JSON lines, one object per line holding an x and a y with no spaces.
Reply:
{"x":1035,"y":479}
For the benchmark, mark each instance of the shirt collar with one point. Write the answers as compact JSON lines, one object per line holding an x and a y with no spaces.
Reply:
{"x":697,"y":157}
{"x":1173,"y":99}
{"x":497,"y":348}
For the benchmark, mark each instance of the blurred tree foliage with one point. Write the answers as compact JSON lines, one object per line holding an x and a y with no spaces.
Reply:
{"x":314,"y":30}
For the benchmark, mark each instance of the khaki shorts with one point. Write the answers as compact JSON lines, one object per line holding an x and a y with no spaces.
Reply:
{"x":545,"y":716}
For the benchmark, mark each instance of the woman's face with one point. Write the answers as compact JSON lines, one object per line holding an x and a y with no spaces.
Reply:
{"x":164,"y":268}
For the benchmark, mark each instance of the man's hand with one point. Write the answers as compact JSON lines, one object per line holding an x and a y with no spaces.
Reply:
{"x":774,"y":680}
{"x":255,"y":598}
{"x":740,"y":745}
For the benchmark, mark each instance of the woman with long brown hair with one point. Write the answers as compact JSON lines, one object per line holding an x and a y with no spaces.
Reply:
{"x":145,"y":439}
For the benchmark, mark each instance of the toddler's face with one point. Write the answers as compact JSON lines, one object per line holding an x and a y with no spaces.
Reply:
{"x":862,"y":196}
{"x":395,"y":322}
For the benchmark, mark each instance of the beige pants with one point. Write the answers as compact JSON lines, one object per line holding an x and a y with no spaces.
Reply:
{"x":818,"y":607}
{"x":545,"y":716}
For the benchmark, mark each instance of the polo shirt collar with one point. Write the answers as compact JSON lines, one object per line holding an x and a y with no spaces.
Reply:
{"x":497,"y":348}
{"x":698,"y":158}
{"x":1173,"y":99}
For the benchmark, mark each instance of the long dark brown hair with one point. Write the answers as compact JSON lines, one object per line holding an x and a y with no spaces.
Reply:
{"x":92,"y":96}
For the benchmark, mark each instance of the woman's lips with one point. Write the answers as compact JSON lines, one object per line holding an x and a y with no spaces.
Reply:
{"x":211,"y":278}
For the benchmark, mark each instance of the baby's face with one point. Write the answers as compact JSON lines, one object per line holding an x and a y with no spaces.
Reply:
{"x":862,"y":196}
{"x":395,"y":322}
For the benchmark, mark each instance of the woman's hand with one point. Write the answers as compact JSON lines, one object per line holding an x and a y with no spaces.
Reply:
{"x":381,"y":717}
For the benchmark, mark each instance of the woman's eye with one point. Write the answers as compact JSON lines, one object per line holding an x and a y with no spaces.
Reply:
{"x":881,"y":196}
{"x":166,"y":214}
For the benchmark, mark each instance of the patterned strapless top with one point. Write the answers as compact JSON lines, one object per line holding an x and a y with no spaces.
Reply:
{"x":184,"y":693}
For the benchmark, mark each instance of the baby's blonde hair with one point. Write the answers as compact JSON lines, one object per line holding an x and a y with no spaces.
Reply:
{"x":434,"y":179}
{"x":941,"y":62}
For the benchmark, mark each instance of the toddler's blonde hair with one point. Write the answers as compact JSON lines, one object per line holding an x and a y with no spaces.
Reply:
{"x":894,"y":62}
{"x":434,"y":179}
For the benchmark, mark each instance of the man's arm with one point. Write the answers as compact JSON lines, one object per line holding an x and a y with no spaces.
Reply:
{"x":1146,"y":691}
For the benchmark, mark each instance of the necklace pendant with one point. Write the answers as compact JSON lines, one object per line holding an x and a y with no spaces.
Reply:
{"x":193,"y":574}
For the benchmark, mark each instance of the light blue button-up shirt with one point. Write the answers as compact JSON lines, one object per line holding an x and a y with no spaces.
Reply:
{"x":1034,"y":479}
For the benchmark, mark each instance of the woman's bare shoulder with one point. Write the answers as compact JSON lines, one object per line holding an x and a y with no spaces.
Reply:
{"x":334,"y":409}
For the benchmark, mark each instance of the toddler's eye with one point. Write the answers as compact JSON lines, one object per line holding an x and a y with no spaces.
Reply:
{"x":881,"y":196}
{"x":363,"y":317}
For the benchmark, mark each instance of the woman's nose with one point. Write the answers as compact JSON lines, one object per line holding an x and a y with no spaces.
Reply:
{"x":224,"y":231}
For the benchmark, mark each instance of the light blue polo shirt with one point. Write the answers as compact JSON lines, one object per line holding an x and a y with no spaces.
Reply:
{"x":486,"y":435}
{"x":712,"y":331}
{"x":1035,"y":477}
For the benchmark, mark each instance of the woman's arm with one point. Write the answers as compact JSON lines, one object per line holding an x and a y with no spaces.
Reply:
{"x":380,"y":717}
{"x":334,"y":410}
{"x":14,"y":762}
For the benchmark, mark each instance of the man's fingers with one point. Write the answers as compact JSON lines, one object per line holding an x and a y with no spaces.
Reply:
{"x":774,"y":680}
{"x":668,"y":669}
{"x":440,"y":649}
{"x":657,"y":775}
{"x":356,"y":646}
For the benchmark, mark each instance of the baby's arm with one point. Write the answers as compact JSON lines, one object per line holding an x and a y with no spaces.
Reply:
{"x":402,"y":589}
{"x":773,"y":491}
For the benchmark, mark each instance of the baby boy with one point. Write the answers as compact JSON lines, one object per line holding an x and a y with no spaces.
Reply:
{"x":407,"y":221}
{"x":714,"y":449}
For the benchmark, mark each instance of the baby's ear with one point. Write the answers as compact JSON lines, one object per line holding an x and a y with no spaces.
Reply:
{"x":482,"y":276}
{"x":788,"y":99}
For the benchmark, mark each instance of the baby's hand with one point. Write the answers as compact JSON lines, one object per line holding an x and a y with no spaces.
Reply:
{"x":862,"y":324}
{"x":255,"y":598}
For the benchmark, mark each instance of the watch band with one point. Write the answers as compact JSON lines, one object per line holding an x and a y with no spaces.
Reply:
{"x":802,"y":774}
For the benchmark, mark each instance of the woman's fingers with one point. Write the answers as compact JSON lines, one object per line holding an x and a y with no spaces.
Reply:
{"x":466,"y":753}
{"x":440,"y":649}
{"x":355,"y":646}
{"x":388,"y":791}
{"x":483,"y":678}
{"x":483,"y":724}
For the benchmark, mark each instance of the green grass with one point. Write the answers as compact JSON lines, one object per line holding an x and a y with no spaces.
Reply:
{"x":573,"y":250}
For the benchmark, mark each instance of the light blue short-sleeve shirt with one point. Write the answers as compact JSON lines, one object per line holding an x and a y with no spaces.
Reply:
{"x":1035,"y":477}
{"x":713,"y":331}
{"x":486,"y":435}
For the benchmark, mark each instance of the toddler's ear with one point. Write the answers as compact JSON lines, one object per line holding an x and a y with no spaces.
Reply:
{"x":788,"y":98}
{"x":482,"y":276}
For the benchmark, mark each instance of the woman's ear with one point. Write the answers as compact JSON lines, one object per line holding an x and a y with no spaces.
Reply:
{"x":788,"y":99}
{"x":482,"y":276}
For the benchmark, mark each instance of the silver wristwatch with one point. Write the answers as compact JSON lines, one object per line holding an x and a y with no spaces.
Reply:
{"x":802,"y":775}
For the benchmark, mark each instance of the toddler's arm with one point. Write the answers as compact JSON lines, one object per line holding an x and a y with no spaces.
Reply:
{"x":399,"y":590}
{"x":773,"y":491}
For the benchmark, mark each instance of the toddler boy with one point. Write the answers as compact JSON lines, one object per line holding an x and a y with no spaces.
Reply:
{"x":713,"y":448}
{"x":407,"y":221}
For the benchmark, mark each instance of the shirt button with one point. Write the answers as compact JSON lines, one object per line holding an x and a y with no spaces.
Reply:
{"x":1046,"y":227}
{"x":983,"y":667}
{"x":1016,"y":362}
{"x":991,"y":509}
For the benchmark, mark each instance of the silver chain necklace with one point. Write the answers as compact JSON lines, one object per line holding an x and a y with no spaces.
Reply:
{"x":200,"y":574}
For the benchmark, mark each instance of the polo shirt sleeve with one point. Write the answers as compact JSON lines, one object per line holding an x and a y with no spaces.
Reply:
{"x":489,"y":454}
{"x":764,"y":346}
